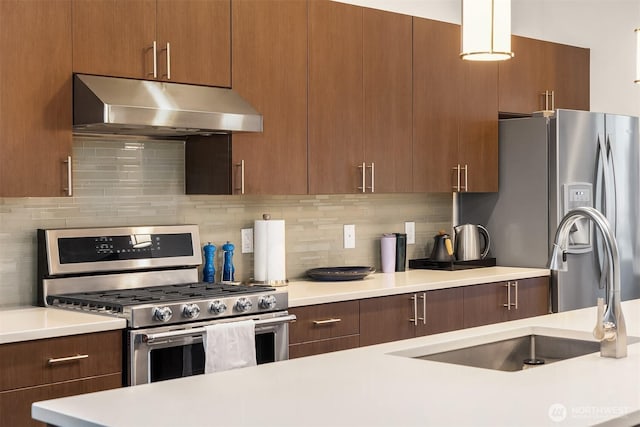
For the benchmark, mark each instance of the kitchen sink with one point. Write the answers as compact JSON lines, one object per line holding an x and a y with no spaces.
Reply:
{"x":511,"y":352}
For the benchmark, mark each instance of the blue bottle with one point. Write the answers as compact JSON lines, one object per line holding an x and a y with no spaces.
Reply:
{"x":228,"y":271}
{"x":209,"y":271}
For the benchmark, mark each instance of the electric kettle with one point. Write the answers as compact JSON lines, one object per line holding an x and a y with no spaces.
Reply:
{"x":467,"y":242}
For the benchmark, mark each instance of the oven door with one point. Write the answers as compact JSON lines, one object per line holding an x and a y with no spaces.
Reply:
{"x":162,"y":353}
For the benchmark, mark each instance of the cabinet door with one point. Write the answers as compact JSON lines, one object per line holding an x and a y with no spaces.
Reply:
{"x":478,"y":135}
{"x":436,"y":75}
{"x":270,"y":71}
{"x":387,"y":83}
{"x":532,"y":297}
{"x":35,"y":98}
{"x":199,"y":37}
{"x":389,"y":318}
{"x":571,"y":77}
{"x":444,"y":311}
{"x":114,"y":37}
{"x":524,"y":78}
{"x":335,"y":109}
{"x":485,"y":304}
{"x":15,"y":405}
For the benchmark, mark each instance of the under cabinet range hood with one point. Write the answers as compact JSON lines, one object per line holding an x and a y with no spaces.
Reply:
{"x":113,"y":105}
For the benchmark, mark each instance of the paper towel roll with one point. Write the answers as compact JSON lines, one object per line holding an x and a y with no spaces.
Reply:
{"x":269,"y":252}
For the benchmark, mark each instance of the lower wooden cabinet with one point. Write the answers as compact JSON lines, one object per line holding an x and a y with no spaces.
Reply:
{"x":405,"y":316}
{"x":15,"y":405}
{"x":502,"y":301}
{"x":56,"y":367}
{"x":323,"y":328}
{"x":339,"y":326}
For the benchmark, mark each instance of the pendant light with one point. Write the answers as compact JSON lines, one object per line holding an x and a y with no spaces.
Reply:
{"x":637,"y":31}
{"x":486,"y":30}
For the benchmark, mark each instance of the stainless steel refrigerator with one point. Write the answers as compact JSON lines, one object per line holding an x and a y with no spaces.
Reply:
{"x":547,"y":166}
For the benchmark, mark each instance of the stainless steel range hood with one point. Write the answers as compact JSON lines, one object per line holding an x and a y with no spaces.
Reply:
{"x":150,"y":108}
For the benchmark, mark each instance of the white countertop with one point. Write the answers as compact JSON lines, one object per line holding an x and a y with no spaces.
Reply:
{"x":303,"y":293}
{"x":370,"y":387}
{"x":32,"y":323}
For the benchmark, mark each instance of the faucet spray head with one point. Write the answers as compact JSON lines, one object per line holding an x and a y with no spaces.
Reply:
{"x":558,"y":259}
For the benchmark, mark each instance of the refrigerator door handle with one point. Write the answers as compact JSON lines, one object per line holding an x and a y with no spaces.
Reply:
{"x":601,"y":202}
{"x":610,"y":188}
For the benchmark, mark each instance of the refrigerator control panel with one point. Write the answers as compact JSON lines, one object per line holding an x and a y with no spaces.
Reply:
{"x":578,"y":194}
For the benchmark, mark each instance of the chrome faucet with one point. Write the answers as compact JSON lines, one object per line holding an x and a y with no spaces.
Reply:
{"x":610,"y":329}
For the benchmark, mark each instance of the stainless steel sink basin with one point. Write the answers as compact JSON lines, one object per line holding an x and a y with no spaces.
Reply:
{"x":524,"y":349}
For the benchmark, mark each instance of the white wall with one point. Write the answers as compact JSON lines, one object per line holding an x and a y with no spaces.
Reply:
{"x":604,"y":26}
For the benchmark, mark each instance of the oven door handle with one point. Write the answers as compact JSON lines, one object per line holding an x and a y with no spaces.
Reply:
{"x":150,"y":338}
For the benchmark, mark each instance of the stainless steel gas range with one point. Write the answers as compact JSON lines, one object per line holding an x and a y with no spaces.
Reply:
{"x":149,"y":276}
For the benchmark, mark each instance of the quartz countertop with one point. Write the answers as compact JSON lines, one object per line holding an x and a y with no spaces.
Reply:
{"x":303,"y":292}
{"x":369,"y":386}
{"x":33,"y":323}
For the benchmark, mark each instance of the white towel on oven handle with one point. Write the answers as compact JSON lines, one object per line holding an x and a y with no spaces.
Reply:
{"x":229,"y":345}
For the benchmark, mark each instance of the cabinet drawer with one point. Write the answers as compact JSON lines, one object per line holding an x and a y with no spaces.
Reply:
{"x":31,"y":363}
{"x":15,"y":405}
{"x":324,"y":321}
{"x":323,"y":346}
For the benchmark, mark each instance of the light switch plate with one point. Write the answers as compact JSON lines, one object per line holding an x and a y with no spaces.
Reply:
{"x":410,"y":229}
{"x":247,"y":240}
{"x":349,"y":236}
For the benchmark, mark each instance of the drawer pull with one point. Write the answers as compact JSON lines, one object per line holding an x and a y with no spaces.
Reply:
{"x":67,"y":359}
{"x":326,"y":322}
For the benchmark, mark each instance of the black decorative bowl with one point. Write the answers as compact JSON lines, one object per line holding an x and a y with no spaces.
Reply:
{"x":339,"y":274}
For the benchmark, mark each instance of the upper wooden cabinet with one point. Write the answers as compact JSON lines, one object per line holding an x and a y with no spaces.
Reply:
{"x":336,"y":94}
{"x":455,"y":115}
{"x":270,"y":71}
{"x":116,"y":38}
{"x":359,"y":100}
{"x":387,"y":72}
{"x":35,"y":97}
{"x":543,"y":76}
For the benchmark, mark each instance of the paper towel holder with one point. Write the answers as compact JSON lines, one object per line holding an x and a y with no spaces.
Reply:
{"x":280,"y":281}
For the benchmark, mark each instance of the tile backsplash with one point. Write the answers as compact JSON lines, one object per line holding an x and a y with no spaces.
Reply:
{"x":141,"y":182}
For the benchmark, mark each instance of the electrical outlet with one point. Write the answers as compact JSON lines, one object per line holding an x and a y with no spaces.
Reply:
{"x":410,"y":229}
{"x":349,"y":236}
{"x":247,"y":240}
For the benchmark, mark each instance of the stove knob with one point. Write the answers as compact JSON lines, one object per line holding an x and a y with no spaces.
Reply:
{"x":217,"y":307}
{"x":243,"y":304}
{"x":191,"y":311}
{"x":162,"y":314}
{"x":267,"y":302}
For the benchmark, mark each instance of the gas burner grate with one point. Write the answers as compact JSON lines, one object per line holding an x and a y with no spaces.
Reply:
{"x":116,"y":300}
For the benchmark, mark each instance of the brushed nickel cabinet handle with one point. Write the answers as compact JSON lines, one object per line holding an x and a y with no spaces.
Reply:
{"x":466,"y":178}
{"x":154,"y":48}
{"x":415,"y":310}
{"x":326,"y":321}
{"x":241,"y":166}
{"x":373,"y":174}
{"x":168,"y":50}
{"x":457,"y":169}
{"x":363,"y":169}
{"x":69,"y":188}
{"x":508,"y":304}
{"x":423,"y":297}
{"x":553,"y":100}
{"x":515,"y":285}
{"x":54,"y":361}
